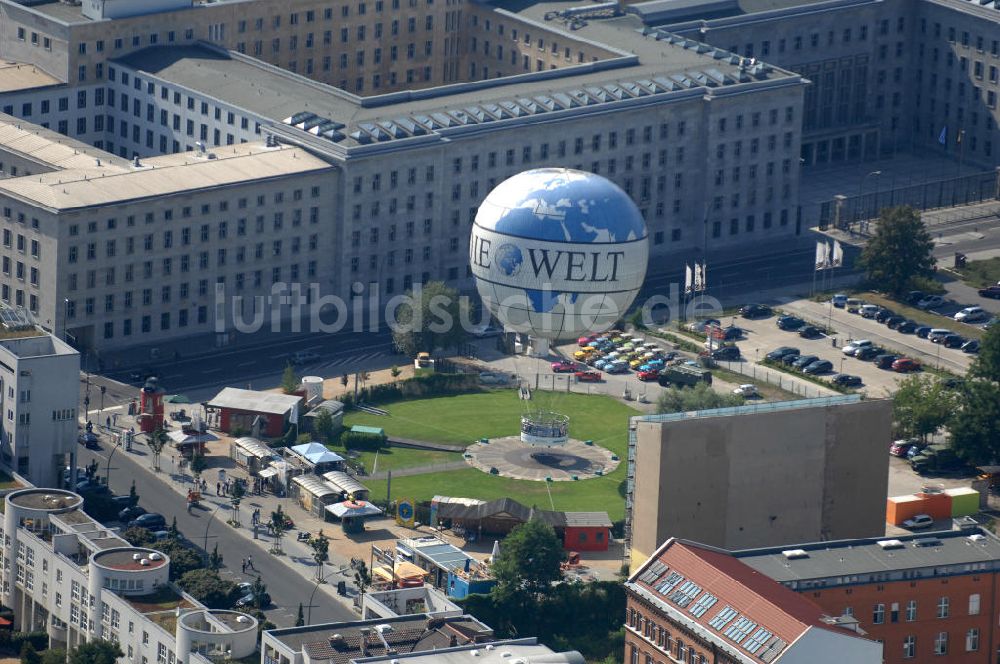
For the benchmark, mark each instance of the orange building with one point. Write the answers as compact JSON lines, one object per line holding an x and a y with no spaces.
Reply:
{"x":930,"y":597}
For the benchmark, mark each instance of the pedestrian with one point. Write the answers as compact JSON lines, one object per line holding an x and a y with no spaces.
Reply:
{"x":109,"y":422}
{"x":250,"y":563}
{"x":218,"y":489}
{"x":244,"y":564}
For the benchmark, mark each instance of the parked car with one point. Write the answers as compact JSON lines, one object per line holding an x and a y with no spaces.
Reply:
{"x":907,"y":327}
{"x":885,"y":360}
{"x":493,"y":378}
{"x":488,"y":331}
{"x":953,"y":341}
{"x":883,"y":314}
{"x":588,"y":376}
{"x":853,"y":305}
{"x":726,"y":353}
{"x":617,"y":367}
{"x":700,"y":325}
{"x":130,"y":513}
{"x":919,"y":521}
{"x":971,"y":346}
{"x":992,"y":292}
{"x":244,"y":591}
{"x":747,"y":390}
{"x":586,"y":341}
{"x":89,"y":440}
{"x":303,"y":357}
{"x":839,"y":300}
{"x":931,"y":302}
{"x":868,"y":353}
{"x":755,"y":311}
{"x":789,"y":322}
{"x":905,"y":365}
{"x":649,"y":374}
{"x":781,"y":352}
{"x":804,"y":361}
{"x":790,"y":359}
{"x":938,"y":333}
{"x":732,"y":333}
{"x":893,"y":322}
{"x":922,"y":331}
{"x":854,"y":346}
{"x":917,"y":448}
{"x":92,"y":486}
{"x":847,"y":380}
{"x":810,"y":332}
{"x":914,"y":296}
{"x":899,"y":448}
{"x":869,"y":310}
{"x":564,"y":366}
{"x":819,"y":367}
{"x":150,"y":521}
{"x":972,"y":315}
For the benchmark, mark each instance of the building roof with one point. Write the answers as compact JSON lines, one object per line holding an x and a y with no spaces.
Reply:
{"x":16,"y":76}
{"x":587,"y":519}
{"x":344,"y":482}
{"x":333,"y":406}
{"x":270,"y":403}
{"x":253,"y":447}
{"x":471,"y":509}
{"x":314,"y":485}
{"x":108,"y":183}
{"x":753,"y":409}
{"x":49,"y":148}
{"x":526,"y":651}
{"x":653,"y":65}
{"x":441,"y":553}
{"x":124,"y":559}
{"x":316,"y":453}
{"x":731,"y":603}
{"x":339,"y":643}
{"x":868,"y":560}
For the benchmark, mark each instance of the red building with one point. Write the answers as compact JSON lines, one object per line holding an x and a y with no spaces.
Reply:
{"x":585,"y":531}
{"x":694,"y":604}
{"x":931,"y":597}
{"x":264,"y":414}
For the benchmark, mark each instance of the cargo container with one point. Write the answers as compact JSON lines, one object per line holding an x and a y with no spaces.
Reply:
{"x":900,"y":508}
{"x":964,"y":501}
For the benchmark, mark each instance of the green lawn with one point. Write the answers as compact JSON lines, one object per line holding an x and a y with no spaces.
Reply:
{"x":395,"y":458}
{"x":981,"y":274}
{"x":462,"y":419}
{"x":922,"y":317}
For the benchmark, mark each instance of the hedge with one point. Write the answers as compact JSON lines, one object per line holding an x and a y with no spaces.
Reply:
{"x":359,"y":440}
{"x":430,"y":385}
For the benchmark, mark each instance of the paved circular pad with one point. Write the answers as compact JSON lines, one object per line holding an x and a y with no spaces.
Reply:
{"x":512,"y":458}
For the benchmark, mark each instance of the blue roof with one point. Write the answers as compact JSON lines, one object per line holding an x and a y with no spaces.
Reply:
{"x":316,"y":453}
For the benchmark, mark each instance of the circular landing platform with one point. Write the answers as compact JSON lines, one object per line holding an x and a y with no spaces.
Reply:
{"x":509,"y":457}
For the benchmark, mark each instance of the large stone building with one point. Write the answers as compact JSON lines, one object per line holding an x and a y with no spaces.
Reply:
{"x":759,"y":475}
{"x":414,"y":136}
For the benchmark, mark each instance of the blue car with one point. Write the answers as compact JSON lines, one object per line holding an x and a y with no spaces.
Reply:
{"x":601,"y":364}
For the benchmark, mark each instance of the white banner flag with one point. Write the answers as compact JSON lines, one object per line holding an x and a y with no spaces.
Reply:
{"x":696,"y":281}
{"x":820,"y":255}
{"x":704,"y":276}
{"x":688,"y":280}
{"x":293,"y":417}
{"x":838,"y":254}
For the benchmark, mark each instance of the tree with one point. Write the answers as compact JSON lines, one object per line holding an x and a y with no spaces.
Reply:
{"x":362,"y":577}
{"x":236,"y":493}
{"x":320,"y":547}
{"x":258,"y":590}
{"x":208,"y":587}
{"x":324,"y":426}
{"x":987,"y":363}
{"x":975,"y":426}
{"x":96,"y":652}
{"x":54,"y":656}
{"x":300,"y":619}
{"x":157,"y":441}
{"x":698,"y":397}
{"x":529,"y":560}
{"x":344,"y":380}
{"x":183,"y":558}
{"x":429,"y":319}
{"x":278,"y":526}
{"x":921,"y":406}
{"x":29,"y":655}
{"x":900,"y":251}
{"x":138,"y":536}
{"x":289,"y":383}
{"x":198,"y":464}
{"x":394,"y":371}
{"x":172,"y":531}
{"x":215,"y":558}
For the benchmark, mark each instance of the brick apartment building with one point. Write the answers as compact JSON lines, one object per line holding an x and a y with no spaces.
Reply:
{"x":696,"y":604}
{"x":930,"y":597}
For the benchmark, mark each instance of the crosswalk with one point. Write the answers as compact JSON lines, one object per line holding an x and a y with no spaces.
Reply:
{"x":345,"y":361}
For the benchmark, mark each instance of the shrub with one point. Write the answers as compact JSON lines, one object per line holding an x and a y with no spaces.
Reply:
{"x":357,"y":440}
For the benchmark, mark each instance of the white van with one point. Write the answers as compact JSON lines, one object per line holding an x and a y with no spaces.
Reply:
{"x":869,"y":310}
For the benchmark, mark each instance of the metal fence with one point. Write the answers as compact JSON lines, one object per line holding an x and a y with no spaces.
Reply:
{"x":845,"y":210}
{"x":779,"y":379}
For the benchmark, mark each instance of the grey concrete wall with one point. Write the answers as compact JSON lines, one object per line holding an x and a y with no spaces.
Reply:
{"x":763,"y":479}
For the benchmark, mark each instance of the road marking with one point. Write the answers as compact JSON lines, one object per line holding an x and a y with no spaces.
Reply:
{"x":98,"y":410}
{"x":246,"y":364}
{"x":208,"y":371}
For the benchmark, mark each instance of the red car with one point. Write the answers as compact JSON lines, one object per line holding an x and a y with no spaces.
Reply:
{"x":563,"y":367}
{"x":900,"y":448}
{"x":588,"y":376}
{"x":585,"y":341}
{"x":905,"y":365}
{"x":652,"y":374}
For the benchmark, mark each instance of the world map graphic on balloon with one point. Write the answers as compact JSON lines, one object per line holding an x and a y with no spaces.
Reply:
{"x":548,"y":236}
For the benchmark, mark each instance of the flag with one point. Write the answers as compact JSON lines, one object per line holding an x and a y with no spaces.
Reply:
{"x":838,"y":254}
{"x":688,"y":282}
{"x":820,"y":255}
{"x":958,"y":139}
{"x":829,"y":255}
{"x":293,"y":417}
{"x":696,"y":280}
{"x":943,"y":137}
{"x":702,"y":282}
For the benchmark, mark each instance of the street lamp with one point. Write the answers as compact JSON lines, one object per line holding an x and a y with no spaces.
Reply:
{"x":861,"y":185}
{"x":209,"y":522}
{"x":309,"y":609}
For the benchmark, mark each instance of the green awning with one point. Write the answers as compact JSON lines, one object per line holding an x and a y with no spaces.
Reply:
{"x":177,"y":398}
{"x":357,"y":428}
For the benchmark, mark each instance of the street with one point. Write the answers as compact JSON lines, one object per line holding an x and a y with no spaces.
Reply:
{"x":287,"y":588}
